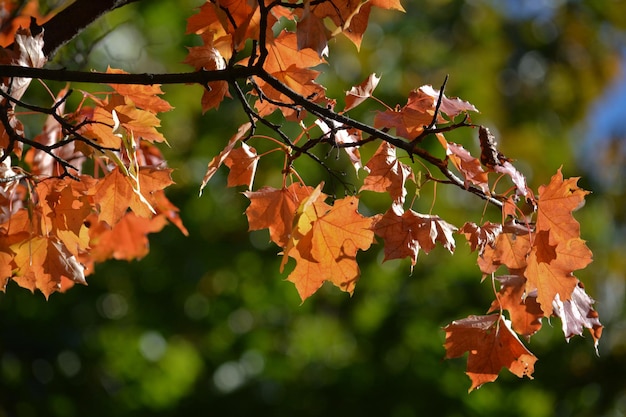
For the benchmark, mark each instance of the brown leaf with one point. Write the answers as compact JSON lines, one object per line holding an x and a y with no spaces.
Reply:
{"x":311,"y":32}
{"x":466,"y":164}
{"x":219,"y":159}
{"x":208,"y":57}
{"x":387,"y":174}
{"x":406,"y":233}
{"x":479,"y":237}
{"x":359,"y":93}
{"x":491,"y":345}
{"x":525,"y":312}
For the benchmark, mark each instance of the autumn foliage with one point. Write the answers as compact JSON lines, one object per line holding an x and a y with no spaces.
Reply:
{"x":90,"y":186}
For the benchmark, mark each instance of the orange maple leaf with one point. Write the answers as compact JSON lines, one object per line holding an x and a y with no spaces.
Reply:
{"x":6,"y":269}
{"x":525,"y":312}
{"x":63,"y":205}
{"x":555,"y":205}
{"x":326,"y":244}
{"x":209,"y":58}
{"x":491,"y":345}
{"x":126,"y":240}
{"x":116,"y":193}
{"x":387,"y":174}
{"x":235,"y":20}
{"x":550,"y":268}
{"x":291,"y":66}
{"x":275,"y":210}
{"x":219,"y":159}
{"x":509,"y":249}
{"x":557,"y":248}
{"x":42,"y":263}
{"x":405,"y":233}
{"x":145,"y":97}
{"x":242,"y":163}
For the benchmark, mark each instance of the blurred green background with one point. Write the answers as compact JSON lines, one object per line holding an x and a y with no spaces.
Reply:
{"x":206,"y":325}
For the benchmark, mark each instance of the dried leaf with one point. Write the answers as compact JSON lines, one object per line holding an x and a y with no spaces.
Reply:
{"x":359,"y":93}
{"x":406,"y":233}
{"x":387,"y":174}
{"x":218,"y":160}
{"x":525,"y":312}
{"x":491,"y":345}
{"x":577,"y":314}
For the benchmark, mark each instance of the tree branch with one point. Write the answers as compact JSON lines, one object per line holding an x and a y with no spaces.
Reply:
{"x":81,"y":13}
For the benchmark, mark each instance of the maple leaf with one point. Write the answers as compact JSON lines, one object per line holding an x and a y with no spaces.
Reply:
{"x":275,"y":210}
{"x":291,"y":66}
{"x":466,"y":164}
{"x":311,"y":32}
{"x":388,"y":4}
{"x":219,"y":159}
{"x":116,"y":193}
{"x":525,"y":312}
{"x":101,"y":129}
{"x":242,"y":163}
{"x":325,"y":243}
{"x":479,"y":237}
{"x":42,"y":263}
{"x":6,"y":269}
{"x":405,"y":233}
{"x":126,"y":240}
{"x":577,"y":313}
{"x":509,"y":249}
{"x":145,"y":97}
{"x":208,"y":57}
{"x":359,"y":93}
{"x":387,"y":174}
{"x":550,"y":268}
{"x":491,"y":345}
{"x":410,"y":120}
{"x":138,"y":123}
{"x":555,"y":205}
{"x":63,"y":206}
{"x":232,"y":21}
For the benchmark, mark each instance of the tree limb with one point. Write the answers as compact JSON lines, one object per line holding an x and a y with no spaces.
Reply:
{"x":81,"y":13}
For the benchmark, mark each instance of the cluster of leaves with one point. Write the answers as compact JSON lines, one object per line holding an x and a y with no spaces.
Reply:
{"x":90,"y":186}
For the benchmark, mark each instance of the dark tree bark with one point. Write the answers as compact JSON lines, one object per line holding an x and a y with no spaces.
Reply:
{"x":69,"y":22}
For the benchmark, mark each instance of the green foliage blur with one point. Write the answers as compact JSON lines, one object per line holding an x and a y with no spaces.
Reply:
{"x":207,"y":325}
